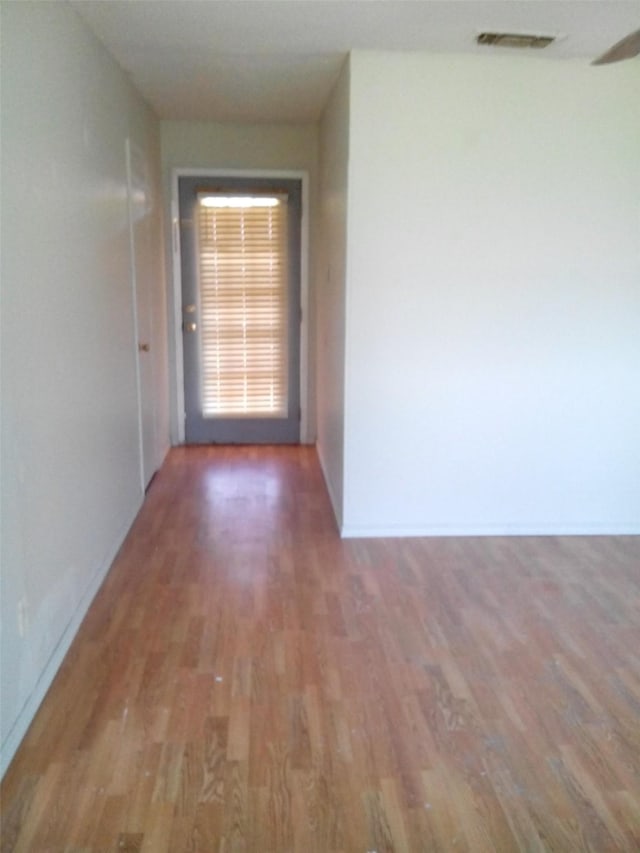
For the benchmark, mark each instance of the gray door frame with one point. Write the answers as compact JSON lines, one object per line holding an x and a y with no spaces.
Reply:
{"x":175,"y":314}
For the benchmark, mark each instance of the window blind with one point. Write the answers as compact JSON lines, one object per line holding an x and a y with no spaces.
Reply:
{"x":243,"y":292}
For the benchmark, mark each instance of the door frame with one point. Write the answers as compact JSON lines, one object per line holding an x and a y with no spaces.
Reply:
{"x":175,"y":313}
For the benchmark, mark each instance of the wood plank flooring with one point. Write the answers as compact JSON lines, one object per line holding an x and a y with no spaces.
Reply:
{"x":245,"y":681}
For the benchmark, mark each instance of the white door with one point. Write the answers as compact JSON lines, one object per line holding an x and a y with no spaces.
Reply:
{"x":142,"y":271}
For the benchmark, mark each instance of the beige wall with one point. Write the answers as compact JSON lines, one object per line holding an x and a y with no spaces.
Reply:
{"x":208,"y":145}
{"x":493,"y":298}
{"x":70,"y":452}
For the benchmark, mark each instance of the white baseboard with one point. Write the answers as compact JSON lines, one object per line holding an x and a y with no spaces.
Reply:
{"x":30,"y":708}
{"x":355,"y":531}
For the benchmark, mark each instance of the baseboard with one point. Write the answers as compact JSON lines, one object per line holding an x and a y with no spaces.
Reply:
{"x":30,"y":708}
{"x":355,"y":531}
{"x":332,"y":498}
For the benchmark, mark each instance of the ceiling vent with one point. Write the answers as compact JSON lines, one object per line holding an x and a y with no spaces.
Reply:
{"x":515,"y":40}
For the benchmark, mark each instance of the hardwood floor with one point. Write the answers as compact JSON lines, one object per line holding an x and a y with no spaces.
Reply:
{"x":245,"y":681}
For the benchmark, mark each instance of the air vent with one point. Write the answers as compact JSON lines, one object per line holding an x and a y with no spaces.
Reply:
{"x":515,"y":40}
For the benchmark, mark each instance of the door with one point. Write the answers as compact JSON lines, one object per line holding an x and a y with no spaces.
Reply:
{"x":143,"y":264}
{"x":240,"y":264}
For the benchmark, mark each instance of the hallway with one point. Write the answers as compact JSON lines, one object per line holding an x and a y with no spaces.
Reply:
{"x":246,"y":681}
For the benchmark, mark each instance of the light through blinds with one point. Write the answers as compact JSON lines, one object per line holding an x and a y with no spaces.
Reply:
{"x":243,"y":287}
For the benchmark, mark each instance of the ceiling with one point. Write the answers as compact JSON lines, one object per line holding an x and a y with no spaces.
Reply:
{"x":276,"y":60}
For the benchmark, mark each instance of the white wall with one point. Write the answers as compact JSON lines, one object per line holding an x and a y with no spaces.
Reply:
{"x":331,"y":286}
{"x":493,"y":297}
{"x":70,"y":454}
{"x":211,"y":145}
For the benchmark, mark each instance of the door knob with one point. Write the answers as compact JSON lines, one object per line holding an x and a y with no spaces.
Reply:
{"x":144,"y":347}
{"x":189,"y":327}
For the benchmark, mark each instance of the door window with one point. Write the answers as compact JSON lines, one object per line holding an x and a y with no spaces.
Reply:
{"x":243,"y":289}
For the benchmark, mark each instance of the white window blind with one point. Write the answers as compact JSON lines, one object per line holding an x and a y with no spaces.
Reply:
{"x":243,"y":291}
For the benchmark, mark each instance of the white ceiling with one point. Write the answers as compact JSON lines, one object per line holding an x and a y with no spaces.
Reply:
{"x":276,"y":60}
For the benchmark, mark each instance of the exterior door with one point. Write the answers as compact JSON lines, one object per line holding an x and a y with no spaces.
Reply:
{"x":240,"y":264}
